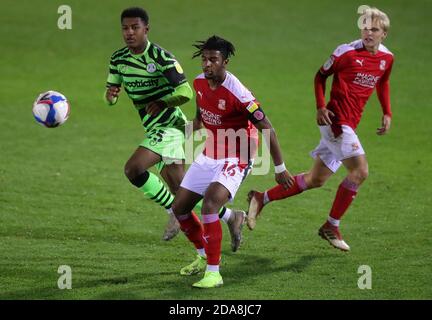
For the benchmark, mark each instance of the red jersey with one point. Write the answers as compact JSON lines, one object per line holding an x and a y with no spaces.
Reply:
{"x":225,"y":113}
{"x":356,"y":74}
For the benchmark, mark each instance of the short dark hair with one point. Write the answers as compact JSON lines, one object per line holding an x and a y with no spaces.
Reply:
{"x":214,"y":43}
{"x":135,"y":12}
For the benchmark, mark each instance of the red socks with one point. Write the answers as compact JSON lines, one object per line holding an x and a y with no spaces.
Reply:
{"x":212,"y":238}
{"x":345,"y":195}
{"x":208,"y":237}
{"x":192,"y":228}
{"x":278,"y":192}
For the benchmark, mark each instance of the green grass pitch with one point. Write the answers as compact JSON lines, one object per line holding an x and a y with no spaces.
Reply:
{"x":65,"y":201}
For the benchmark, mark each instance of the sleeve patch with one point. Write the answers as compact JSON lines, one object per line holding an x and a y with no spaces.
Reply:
{"x":257,"y":115}
{"x":252,"y":107}
{"x":178,"y":67}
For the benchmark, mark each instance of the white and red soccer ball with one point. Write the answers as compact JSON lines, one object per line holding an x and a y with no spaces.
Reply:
{"x":51,"y":109}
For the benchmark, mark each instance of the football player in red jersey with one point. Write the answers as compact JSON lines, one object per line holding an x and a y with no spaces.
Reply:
{"x":231,"y":116}
{"x":357,"y":68}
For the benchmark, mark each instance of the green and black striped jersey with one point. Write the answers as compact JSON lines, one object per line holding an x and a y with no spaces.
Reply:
{"x":149,"y":76}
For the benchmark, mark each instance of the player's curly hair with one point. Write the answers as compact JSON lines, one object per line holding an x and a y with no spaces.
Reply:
{"x":214,"y":43}
{"x":135,"y":12}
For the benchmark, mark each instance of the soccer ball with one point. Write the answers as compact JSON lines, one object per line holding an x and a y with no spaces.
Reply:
{"x":51,"y":109}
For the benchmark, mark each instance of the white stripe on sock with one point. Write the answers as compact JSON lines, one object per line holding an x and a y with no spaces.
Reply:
{"x":201,"y":252}
{"x":214,"y":268}
{"x":334,"y":222}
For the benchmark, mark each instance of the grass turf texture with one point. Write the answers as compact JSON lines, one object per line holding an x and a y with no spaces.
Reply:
{"x":64,"y":199}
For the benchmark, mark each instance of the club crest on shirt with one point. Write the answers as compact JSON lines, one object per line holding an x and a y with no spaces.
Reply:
{"x":151,"y":67}
{"x":222,"y":104}
{"x":122,"y":68}
{"x":355,"y":146}
{"x":382,"y":65}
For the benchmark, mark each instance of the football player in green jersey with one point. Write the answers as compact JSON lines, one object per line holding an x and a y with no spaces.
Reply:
{"x":154,"y":81}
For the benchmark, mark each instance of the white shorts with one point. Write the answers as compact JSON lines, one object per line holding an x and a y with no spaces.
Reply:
{"x":333,"y":150}
{"x":205,"y":170}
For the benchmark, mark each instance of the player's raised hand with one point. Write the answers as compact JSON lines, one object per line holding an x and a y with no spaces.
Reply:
{"x":112,"y":94}
{"x":155,"y":107}
{"x":323,"y":117}
{"x":285,"y":178}
{"x":386,"y":121}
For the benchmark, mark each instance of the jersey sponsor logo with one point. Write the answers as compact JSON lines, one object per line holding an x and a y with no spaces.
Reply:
{"x":200,"y":94}
{"x":142,"y":83}
{"x":327,"y":65}
{"x":360,"y":62}
{"x":382,"y":64}
{"x":178,"y":67}
{"x":151,"y":67}
{"x":210,"y":118}
{"x":366,"y":80}
{"x":252,"y":107}
{"x":222,"y":104}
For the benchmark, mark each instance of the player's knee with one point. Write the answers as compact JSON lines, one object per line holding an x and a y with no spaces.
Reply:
{"x":210,"y":205}
{"x":174,"y":188}
{"x":359,"y":175}
{"x":137,"y":178}
{"x":178,"y":209}
{"x":364,"y":174}
{"x":129,"y":171}
{"x":173,"y":185}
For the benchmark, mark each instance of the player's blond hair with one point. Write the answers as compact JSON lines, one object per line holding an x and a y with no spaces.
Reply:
{"x":377,"y":15}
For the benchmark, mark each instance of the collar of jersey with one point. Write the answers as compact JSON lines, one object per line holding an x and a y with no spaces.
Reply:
{"x":142,"y":53}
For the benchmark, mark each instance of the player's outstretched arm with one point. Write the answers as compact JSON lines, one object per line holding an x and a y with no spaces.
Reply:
{"x":182,"y":94}
{"x":282,"y":175}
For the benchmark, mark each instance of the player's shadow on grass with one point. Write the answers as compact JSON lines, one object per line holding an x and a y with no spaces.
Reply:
{"x":237,"y":272}
{"x":252,"y":265}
